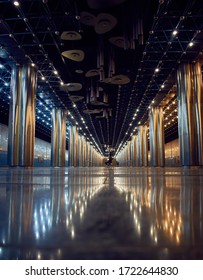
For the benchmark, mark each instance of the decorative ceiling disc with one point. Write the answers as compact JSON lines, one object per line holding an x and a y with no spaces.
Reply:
{"x":71,"y":36}
{"x":87,"y":18}
{"x":75,"y":55}
{"x":71,"y":87}
{"x":119,"y":42}
{"x":95,"y":111}
{"x":79,"y":71}
{"x":104,"y":23}
{"x":99,"y":4}
{"x":76,"y":98}
{"x":120,"y":80}
{"x":92,"y":73}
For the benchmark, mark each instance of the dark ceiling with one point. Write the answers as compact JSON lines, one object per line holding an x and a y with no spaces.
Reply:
{"x":129,"y":45}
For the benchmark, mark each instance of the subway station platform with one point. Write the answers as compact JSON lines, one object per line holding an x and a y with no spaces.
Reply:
{"x":101,"y":213}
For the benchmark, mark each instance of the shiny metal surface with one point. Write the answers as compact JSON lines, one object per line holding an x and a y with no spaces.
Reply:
{"x":101,"y":213}
{"x":187,"y":123}
{"x":156,"y":133}
{"x":21,"y":134}
{"x":58,"y":138}
{"x":198,"y":92}
{"x":134,"y":150}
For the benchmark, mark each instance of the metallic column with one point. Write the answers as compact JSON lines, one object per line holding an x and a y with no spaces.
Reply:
{"x":73,"y":146}
{"x":145,"y":145}
{"x":76,"y":147}
{"x":156,"y":128}
{"x":87,"y":153}
{"x":140,"y":147}
{"x":58,"y":138}
{"x":134,"y":150}
{"x":80,"y":150}
{"x":21,"y":133}
{"x":187,"y":125}
{"x":84,"y":151}
{"x":129,"y":153}
{"x":198,"y":92}
{"x":138,"y":150}
{"x":70,"y":146}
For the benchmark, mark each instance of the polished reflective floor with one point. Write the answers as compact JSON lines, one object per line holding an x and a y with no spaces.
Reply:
{"x":101,"y":213}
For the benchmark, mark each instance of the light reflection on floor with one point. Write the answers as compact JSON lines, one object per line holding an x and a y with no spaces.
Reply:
{"x":101,"y":213}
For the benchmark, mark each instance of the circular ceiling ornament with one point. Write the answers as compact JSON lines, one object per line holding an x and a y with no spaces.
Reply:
{"x":100,"y":4}
{"x":75,"y":55}
{"x":120,"y":80}
{"x":71,"y":36}
{"x":87,"y":18}
{"x":119,"y":42}
{"x":92,"y":73}
{"x":71,"y":87}
{"x":79,"y":71}
{"x":104,"y":23}
{"x":75,"y":98}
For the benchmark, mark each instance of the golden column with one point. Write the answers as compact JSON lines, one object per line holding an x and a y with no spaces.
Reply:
{"x":21,"y":133}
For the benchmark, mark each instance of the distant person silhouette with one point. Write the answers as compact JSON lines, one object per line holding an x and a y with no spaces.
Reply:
{"x":109,"y":161}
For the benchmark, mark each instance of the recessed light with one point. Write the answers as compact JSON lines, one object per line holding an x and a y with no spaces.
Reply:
{"x":16,"y":3}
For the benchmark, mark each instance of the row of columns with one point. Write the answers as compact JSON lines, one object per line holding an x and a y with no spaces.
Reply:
{"x":22,"y":126}
{"x":190,"y":126}
{"x":81,"y":152}
{"x":21,"y":134}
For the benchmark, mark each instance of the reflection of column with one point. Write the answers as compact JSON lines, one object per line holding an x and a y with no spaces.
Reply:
{"x":187,"y":124}
{"x":21,"y":133}
{"x":58,"y":137}
{"x":156,"y":136}
{"x":198,"y":91}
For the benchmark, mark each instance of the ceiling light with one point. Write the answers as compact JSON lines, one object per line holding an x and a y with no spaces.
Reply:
{"x":157,"y":70}
{"x":55,"y":72}
{"x":191,"y":44}
{"x":175,"y":32}
{"x":16,"y":3}
{"x":62,"y":83}
{"x":162,"y":86}
{"x":1,"y":66}
{"x":32,"y":64}
{"x":43,"y":78}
